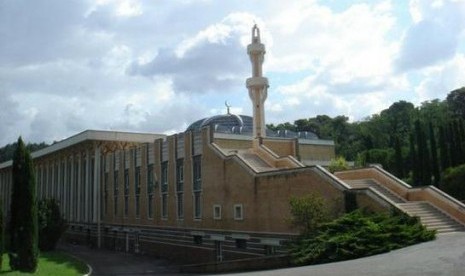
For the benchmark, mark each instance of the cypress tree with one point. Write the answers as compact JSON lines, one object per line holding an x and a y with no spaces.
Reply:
{"x":399,"y":161}
{"x":443,"y":149}
{"x":413,"y":158}
{"x":2,"y":237}
{"x":434,"y":155}
{"x":424,"y":168}
{"x":24,"y":227}
{"x":454,"y":158}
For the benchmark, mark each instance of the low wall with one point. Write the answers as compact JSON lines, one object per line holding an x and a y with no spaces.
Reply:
{"x":269,"y":262}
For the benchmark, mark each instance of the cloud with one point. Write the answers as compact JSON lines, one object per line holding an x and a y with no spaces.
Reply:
{"x":434,"y":36}
{"x":214,"y":60}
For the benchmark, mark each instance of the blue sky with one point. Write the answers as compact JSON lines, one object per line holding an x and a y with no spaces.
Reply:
{"x":157,"y":66}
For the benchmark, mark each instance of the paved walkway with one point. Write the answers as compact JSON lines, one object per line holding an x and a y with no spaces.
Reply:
{"x":106,"y":262}
{"x":443,"y":256}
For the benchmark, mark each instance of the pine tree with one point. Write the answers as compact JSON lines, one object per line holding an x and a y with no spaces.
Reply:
{"x":24,"y":227}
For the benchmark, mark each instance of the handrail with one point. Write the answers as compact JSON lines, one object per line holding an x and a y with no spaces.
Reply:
{"x":442,"y":194}
{"x":391,"y":176}
{"x":334,"y":179}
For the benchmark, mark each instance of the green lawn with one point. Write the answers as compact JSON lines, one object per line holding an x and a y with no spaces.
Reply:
{"x":50,"y":263}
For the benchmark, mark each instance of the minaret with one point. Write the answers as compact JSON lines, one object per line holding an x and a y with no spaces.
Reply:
{"x":257,"y":85}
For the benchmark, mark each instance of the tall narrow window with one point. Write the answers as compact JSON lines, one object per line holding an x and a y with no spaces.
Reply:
{"x":164,"y":189}
{"x":180,"y":188}
{"x":150,"y":190}
{"x":126,"y":192}
{"x":137,"y":190}
{"x":197,"y":186}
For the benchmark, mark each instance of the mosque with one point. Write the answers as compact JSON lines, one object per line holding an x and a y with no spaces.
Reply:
{"x":218,"y":191}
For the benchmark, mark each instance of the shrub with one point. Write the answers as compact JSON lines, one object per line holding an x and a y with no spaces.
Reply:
{"x":51,"y":224}
{"x":356,"y":235}
{"x":454,"y":182}
{"x":338,"y":164}
{"x":308,"y":212}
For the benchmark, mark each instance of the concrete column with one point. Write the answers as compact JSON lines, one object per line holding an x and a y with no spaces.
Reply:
{"x":78,"y":188}
{"x":71,"y":190}
{"x":96,"y":199}
{"x":58,"y":182}
{"x":87,"y":189}
{"x":65,"y":185}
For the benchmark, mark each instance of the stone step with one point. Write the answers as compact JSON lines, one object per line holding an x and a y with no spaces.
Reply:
{"x":364,"y":183}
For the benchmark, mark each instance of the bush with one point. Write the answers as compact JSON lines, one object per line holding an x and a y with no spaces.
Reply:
{"x":454,"y":182}
{"x":356,"y":235}
{"x":51,"y":224}
{"x":308,"y":212}
{"x":338,"y":164}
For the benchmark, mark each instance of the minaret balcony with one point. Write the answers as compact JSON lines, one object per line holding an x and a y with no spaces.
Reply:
{"x":257,"y":82}
{"x":256,"y":48}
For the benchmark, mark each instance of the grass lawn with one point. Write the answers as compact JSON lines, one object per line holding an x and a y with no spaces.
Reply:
{"x":50,"y":263}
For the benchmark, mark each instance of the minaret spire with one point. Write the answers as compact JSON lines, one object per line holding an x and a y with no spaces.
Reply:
{"x":257,"y":84}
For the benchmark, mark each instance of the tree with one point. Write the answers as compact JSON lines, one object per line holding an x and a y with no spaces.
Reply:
{"x":51,"y":224}
{"x":23,"y":226}
{"x":456,"y":102}
{"x":308,"y":212}
{"x":454,"y":182}
{"x":2,"y":237}
{"x":434,"y":155}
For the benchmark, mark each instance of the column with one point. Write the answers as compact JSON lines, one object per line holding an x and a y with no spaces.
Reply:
{"x":96,"y":199}
{"x":78,"y":188}
{"x":87,"y":187}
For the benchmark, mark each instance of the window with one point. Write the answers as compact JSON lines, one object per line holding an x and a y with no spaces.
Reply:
{"x":126,"y":192}
{"x":150,"y":190}
{"x":180,"y":188}
{"x":164,"y":206}
{"x":238,"y":212}
{"x":216,"y":211}
{"x":197,"y":186}
{"x":164,"y":190}
{"x":137,"y":190}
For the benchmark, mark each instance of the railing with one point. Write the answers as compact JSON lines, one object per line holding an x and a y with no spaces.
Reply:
{"x":441,"y":200}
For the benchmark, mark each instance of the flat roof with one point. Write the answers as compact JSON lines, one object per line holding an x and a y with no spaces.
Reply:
{"x":93,"y":135}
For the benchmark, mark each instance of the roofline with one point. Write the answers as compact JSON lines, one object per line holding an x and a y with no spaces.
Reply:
{"x":96,"y":135}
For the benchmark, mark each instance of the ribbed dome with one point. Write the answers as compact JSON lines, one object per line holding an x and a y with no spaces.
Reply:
{"x":243,"y":124}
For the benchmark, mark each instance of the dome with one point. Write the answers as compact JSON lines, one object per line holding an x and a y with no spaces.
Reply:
{"x":243,"y":124}
{"x":227,"y":123}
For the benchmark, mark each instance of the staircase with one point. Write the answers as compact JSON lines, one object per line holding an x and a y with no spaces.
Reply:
{"x":255,"y":161}
{"x":365,"y":183}
{"x":431,"y":217}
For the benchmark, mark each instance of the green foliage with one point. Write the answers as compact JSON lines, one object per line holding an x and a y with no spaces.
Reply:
{"x":454,"y":182}
{"x":2,"y":236}
{"x":53,"y":263}
{"x":356,"y":235}
{"x":308,"y":212}
{"x":338,"y":164}
{"x":456,"y":102}
{"x":6,"y":152}
{"x":51,"y":224}
{"x":23,"y":225}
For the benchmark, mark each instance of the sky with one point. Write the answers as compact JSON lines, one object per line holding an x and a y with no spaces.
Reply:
{"x":157,"y":66}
